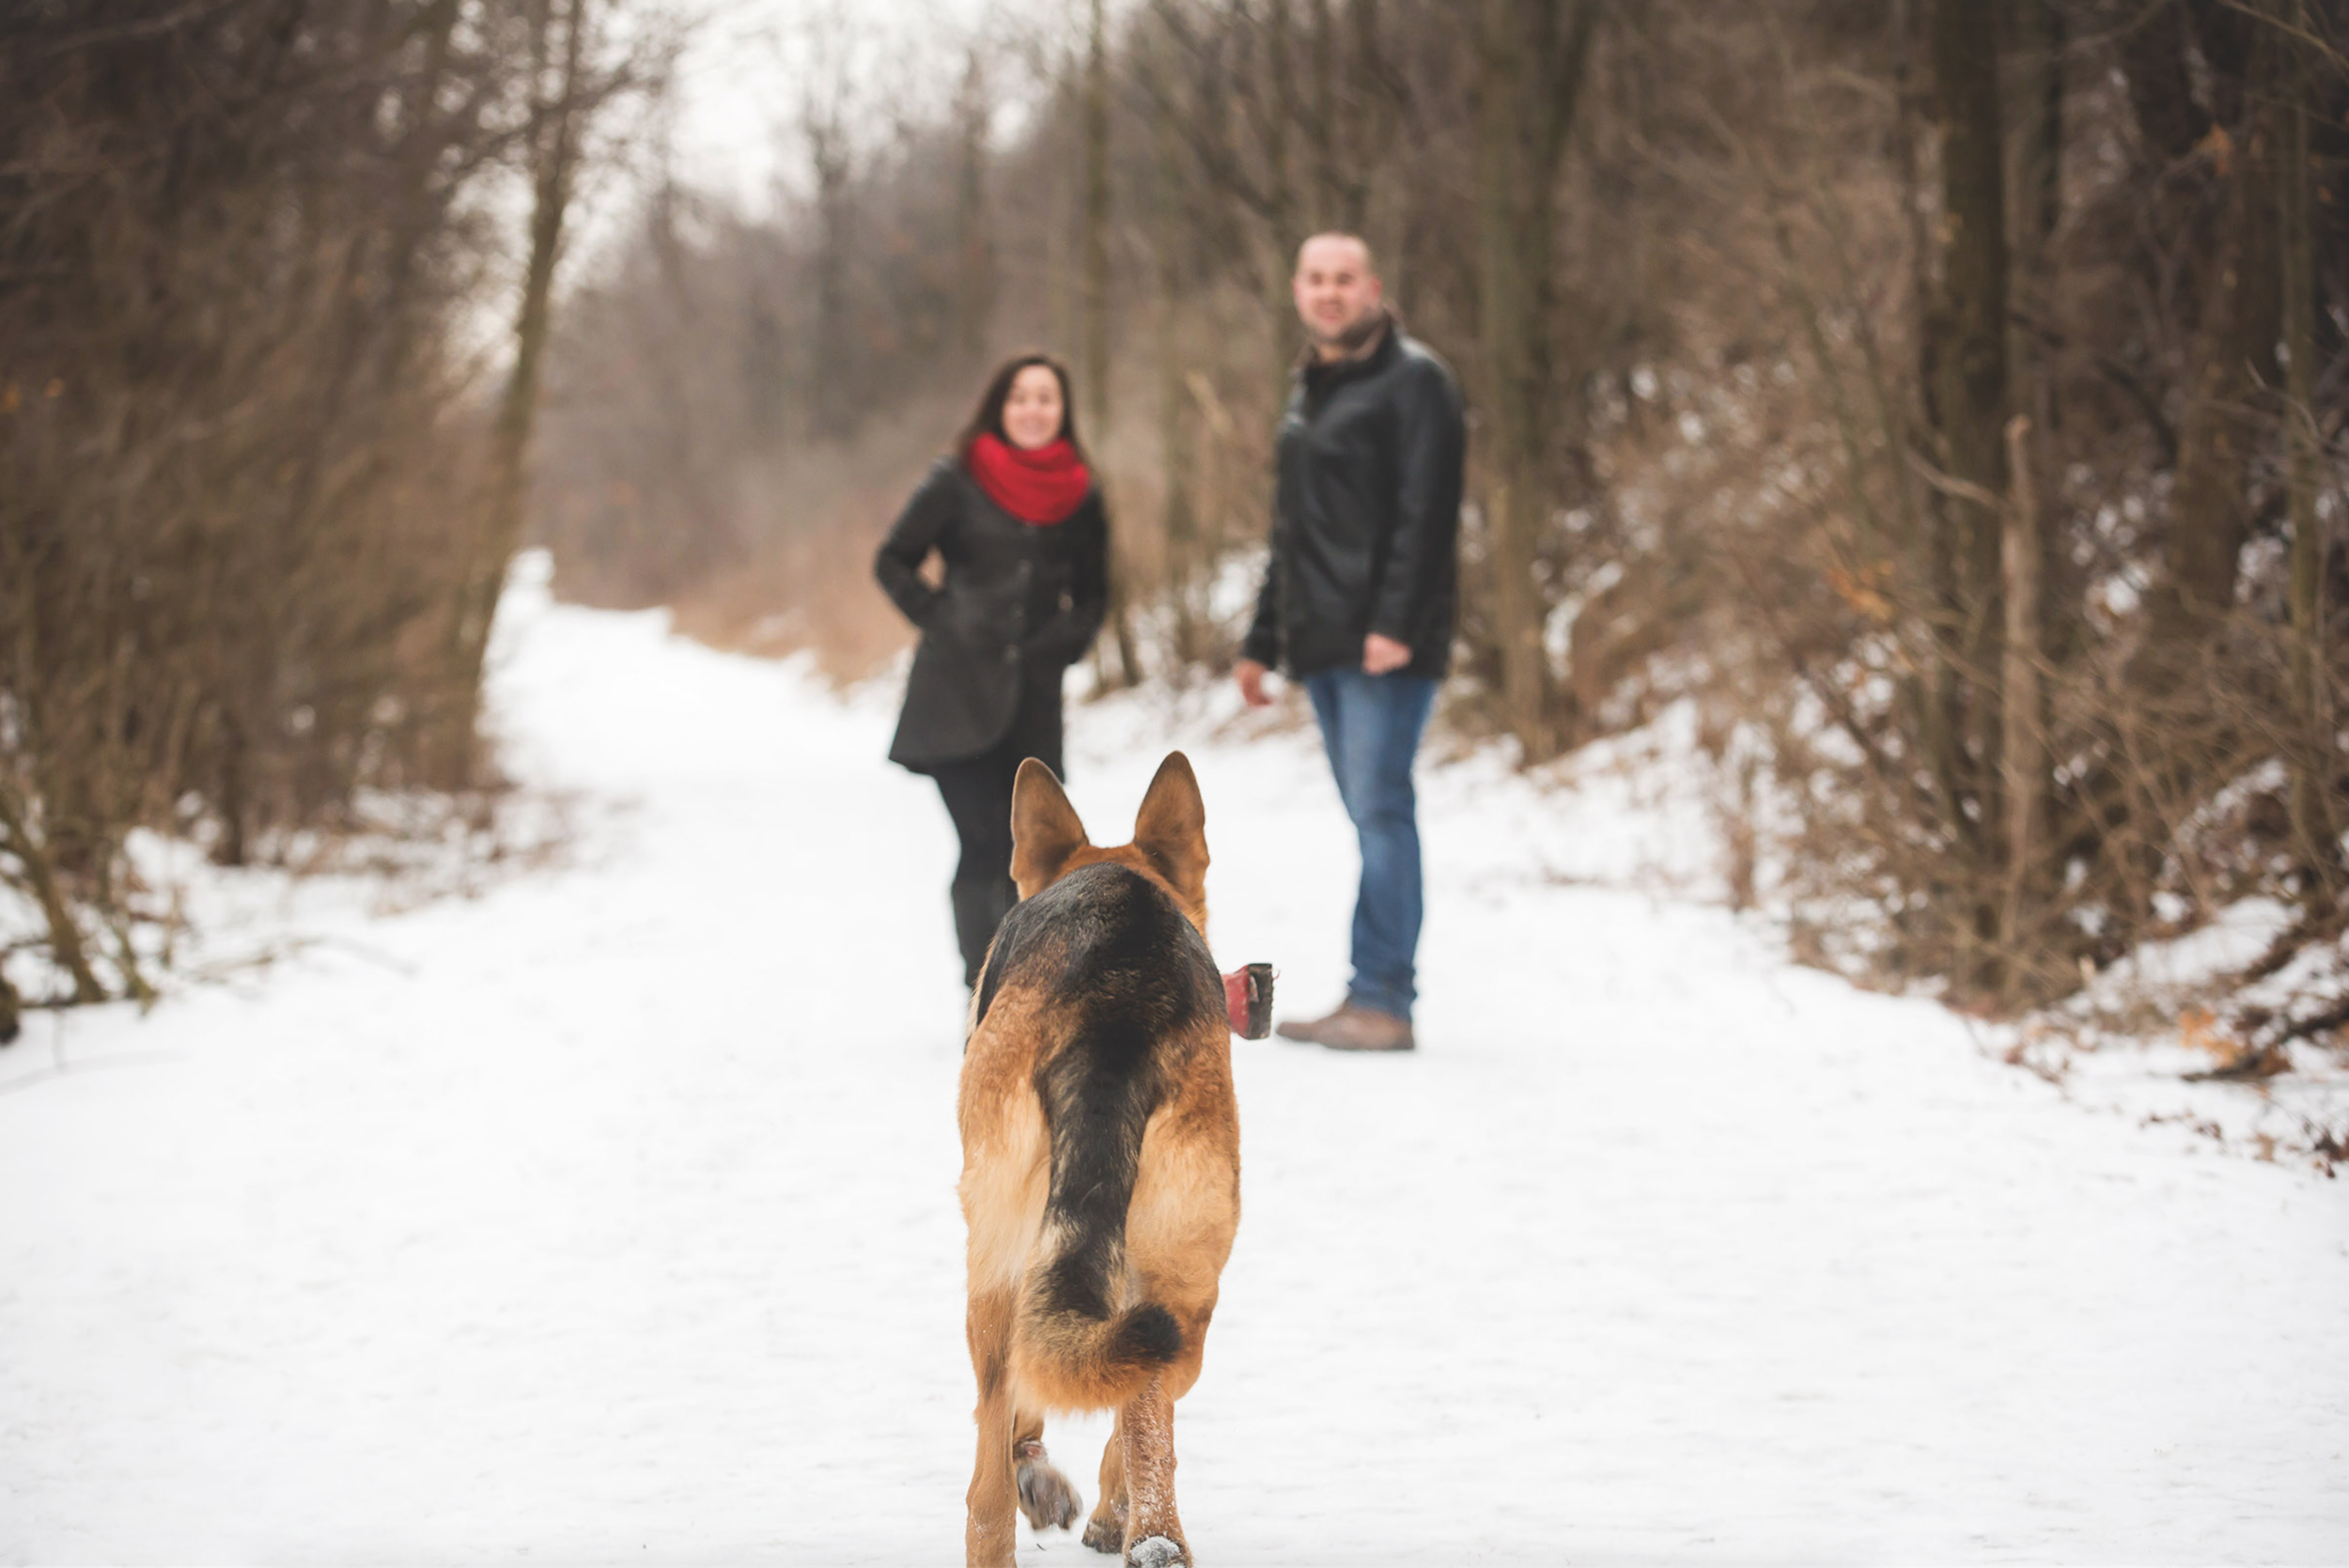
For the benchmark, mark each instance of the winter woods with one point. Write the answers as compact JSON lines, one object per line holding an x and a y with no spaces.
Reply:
{"x":1944,"y":401}
{"x":257,"y":480}
{"x":1944,"y":398}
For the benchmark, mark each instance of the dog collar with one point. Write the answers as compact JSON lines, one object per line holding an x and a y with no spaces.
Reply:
{"x":1247,"y":1000}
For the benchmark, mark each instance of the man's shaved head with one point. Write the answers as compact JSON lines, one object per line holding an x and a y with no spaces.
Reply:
{"x":1330,"y":248}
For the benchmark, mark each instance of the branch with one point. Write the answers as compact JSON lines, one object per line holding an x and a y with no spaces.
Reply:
{"x":1950,"y":485}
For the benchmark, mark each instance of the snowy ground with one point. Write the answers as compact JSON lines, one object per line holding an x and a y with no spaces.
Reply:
{"x":608,"y":1217}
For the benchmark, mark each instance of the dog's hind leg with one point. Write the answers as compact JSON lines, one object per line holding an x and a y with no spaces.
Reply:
{"x":989,"y":1538}
{"x":1106,"y":1531}
{"x":1154,"y":1534}
{"x":1046,"y":1497}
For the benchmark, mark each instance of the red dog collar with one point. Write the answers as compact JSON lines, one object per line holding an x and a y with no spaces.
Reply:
{"x":1248,"y":999}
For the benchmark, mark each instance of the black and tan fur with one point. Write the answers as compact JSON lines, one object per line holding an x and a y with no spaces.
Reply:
{"x":1100,"y":1170}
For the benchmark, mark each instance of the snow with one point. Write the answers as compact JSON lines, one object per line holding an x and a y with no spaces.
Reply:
{"x":607,"y":1215}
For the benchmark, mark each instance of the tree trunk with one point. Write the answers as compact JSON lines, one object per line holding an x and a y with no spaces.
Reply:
{"x":2161,"y":91}
{"x":833,"y":395}
{"x":1931,"y":696}
{"x":1971,"y":393}
{"x":2035,"y":153}
{"x":1093,"y":278}
{"x":1186,"y":563}
{"x":1377,"y":112}
{"x":1284,"y":225}
{"x":974,"y":270}
{"x":553,"y":156}
{"x":1280,"y":115}
{"x":1328,"y":203}
{"x":1528,"y":79}
{"x":1095,"y":290}
{"x":1506,"y":328}
{"x":1969,"y":398}
{"x":2315,"y":758}
{"x":2228,"y":414}
{"x":2023,"y":753}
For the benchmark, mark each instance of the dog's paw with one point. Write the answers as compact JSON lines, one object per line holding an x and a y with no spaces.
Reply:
{"x":1045,"y":1496}
{"x":1106,"y":1531}
{"x":1156,"y":1552}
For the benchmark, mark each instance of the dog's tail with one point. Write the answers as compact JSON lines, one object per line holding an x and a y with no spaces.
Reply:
{"x":1079,"y":1344}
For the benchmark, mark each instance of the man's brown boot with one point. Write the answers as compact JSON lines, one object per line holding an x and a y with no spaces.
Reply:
{"x":1354,"y":1028}
{"x":1309,"y":1030}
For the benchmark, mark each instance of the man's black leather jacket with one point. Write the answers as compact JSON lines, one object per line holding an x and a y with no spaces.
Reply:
{"x":1366,"y":514}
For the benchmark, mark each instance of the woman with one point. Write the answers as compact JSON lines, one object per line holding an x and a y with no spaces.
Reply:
{"x":1018,"y":523}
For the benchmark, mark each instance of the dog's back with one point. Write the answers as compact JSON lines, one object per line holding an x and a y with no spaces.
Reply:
{"x":1100,"y":1152}
{"x":1121,"y":993}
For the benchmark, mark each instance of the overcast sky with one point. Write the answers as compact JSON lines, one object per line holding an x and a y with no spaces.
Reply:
{"x":730,"y":120}
{"x":751,"y":62}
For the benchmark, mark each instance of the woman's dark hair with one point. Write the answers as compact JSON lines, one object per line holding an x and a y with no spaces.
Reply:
{"x":987,"y":420}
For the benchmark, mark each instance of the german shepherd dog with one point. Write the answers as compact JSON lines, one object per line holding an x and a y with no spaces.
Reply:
{"x":1101,"y":1164}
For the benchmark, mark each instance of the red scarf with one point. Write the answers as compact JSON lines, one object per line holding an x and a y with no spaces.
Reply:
{"x":1040,"y":487}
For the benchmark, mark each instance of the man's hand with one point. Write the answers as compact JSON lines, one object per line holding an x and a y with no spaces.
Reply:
{"x":1251,"y":677}
{"x":1382,"y":654}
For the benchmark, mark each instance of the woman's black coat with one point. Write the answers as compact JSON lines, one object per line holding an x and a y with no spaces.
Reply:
{"x":1021,"y":603}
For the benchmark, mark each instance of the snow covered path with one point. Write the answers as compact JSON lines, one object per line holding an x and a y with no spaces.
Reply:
{"x":609,"y":1217}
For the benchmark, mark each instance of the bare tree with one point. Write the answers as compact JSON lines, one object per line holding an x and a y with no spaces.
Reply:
{"x":1534,"y":54}
{"x":239,"y":466}
{"x":559,"y":103}
{"x":2315,"y":761}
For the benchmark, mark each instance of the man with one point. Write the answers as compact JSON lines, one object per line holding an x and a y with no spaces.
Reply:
{"x":1358,"y":598}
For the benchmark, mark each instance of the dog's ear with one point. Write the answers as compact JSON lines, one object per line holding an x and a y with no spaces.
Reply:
{"x":1045,"y":831}
{"x":1172,"y":829}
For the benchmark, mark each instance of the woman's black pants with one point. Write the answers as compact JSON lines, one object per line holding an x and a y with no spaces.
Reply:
{"x":977,"y":792}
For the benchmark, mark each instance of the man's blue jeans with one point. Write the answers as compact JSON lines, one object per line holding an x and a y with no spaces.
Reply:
{"x":1370,"y":726}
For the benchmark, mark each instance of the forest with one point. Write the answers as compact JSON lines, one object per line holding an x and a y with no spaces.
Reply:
{"x":1942,"y":400}
{"x":259,"y":473}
